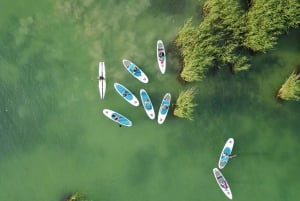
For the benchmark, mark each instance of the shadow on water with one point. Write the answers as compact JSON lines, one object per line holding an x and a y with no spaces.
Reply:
{"x":290,"y":41}
{"x":241,"y":105}
{"x":168,"y":6}
{"x":226,"y":93}
{"x":141,"y":165}
{"x":265,"y":63}
{"x":174,"y":54}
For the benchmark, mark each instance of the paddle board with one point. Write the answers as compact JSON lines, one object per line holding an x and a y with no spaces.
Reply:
{"x":161,"y":56}
{"x":135,"y":71}
{"x":226,"y":151}
{"x":164,"y":108}
{"x":147,"y":104}
{"x":222,"y":182}
{"x":126,"y":94}
{"x":116,"y":117}
{"x":102,"y":79}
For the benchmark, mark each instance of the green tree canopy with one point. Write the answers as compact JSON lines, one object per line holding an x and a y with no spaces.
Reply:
{"x":77,"y":196}
{"x":228,"y":32}
{"x":268,"y":19}
{"x":215,"y":42}
{"x":290,"y":90}
{"x":184,"y":106}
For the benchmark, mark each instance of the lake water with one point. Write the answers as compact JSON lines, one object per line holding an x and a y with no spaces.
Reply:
{"x":54,"y":139}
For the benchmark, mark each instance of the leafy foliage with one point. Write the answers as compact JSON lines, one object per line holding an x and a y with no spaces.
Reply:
{"x":268,"y":19}
{"x":184,"y":107}
{"x":290,"y":90}
{"x":215,"y":42}
{"x":77,"y":196}
{"x":195,"y":63}
{"x":228,"y":32}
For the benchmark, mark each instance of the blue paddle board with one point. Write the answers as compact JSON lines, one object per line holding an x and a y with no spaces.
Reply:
{"x":226,"y":151}
{"x":116,"y":117}
{"x":126,"y":94}
{"x":135,"y":71}
{"x":164,"y":108}
{"x":147,"y":104}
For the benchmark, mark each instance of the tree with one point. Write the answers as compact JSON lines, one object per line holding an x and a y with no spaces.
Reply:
{"x":290,"y":90}
{"x":184,"y":106}
{"x":228,"y":32}
{"x":216,"y":42}
{"x":266,"y":20}
{"x":77,"y":196}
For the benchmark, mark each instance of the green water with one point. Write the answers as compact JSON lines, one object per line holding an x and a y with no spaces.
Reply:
{"x":54,"y":139}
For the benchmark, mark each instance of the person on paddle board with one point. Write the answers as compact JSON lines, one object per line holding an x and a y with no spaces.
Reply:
{"x":232,"y":156}
{"x":125,"y":93}
{"x":222,"y":182}
{"x":227,"y":155}
{"x":134,"y":69}
{"x":101,"y":77}
{"x":115,"y":117}
{"x":161,"y":55}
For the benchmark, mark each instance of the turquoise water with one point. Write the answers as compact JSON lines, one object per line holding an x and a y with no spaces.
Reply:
{"x":54,"y":139}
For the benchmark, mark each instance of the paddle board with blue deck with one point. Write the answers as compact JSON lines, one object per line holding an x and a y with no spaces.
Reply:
{"x":222,"y":182}
{"x":147,"y":104}
{"x":126,"y":94}
{"x":164,"y":108}
{"x":135,"y":71}
{"x":102,"y":79}
{"x":226,"y":151}
{"x":116,"y":117}
{"x":161,"y":56}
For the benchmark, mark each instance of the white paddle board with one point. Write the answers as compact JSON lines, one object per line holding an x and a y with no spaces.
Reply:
{"x":126,"y":94}
{"x":222,"y":182}
{"x":226,"y":151}
{"x":164,"y":108}
{"x":161,"y":56}
{"x":116,"y":117}
{"x":147,"y":104}
{"x":102,"y":79}
{"x":135,"y":71}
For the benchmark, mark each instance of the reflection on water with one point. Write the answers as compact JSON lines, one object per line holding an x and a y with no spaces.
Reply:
{"x":54,"y":138}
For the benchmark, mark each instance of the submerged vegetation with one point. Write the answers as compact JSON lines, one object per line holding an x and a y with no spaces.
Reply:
{"x":228,"y":32}
{"x":290,"y":90}
{"x":184,"y":106}
{"x":77,"y":196}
